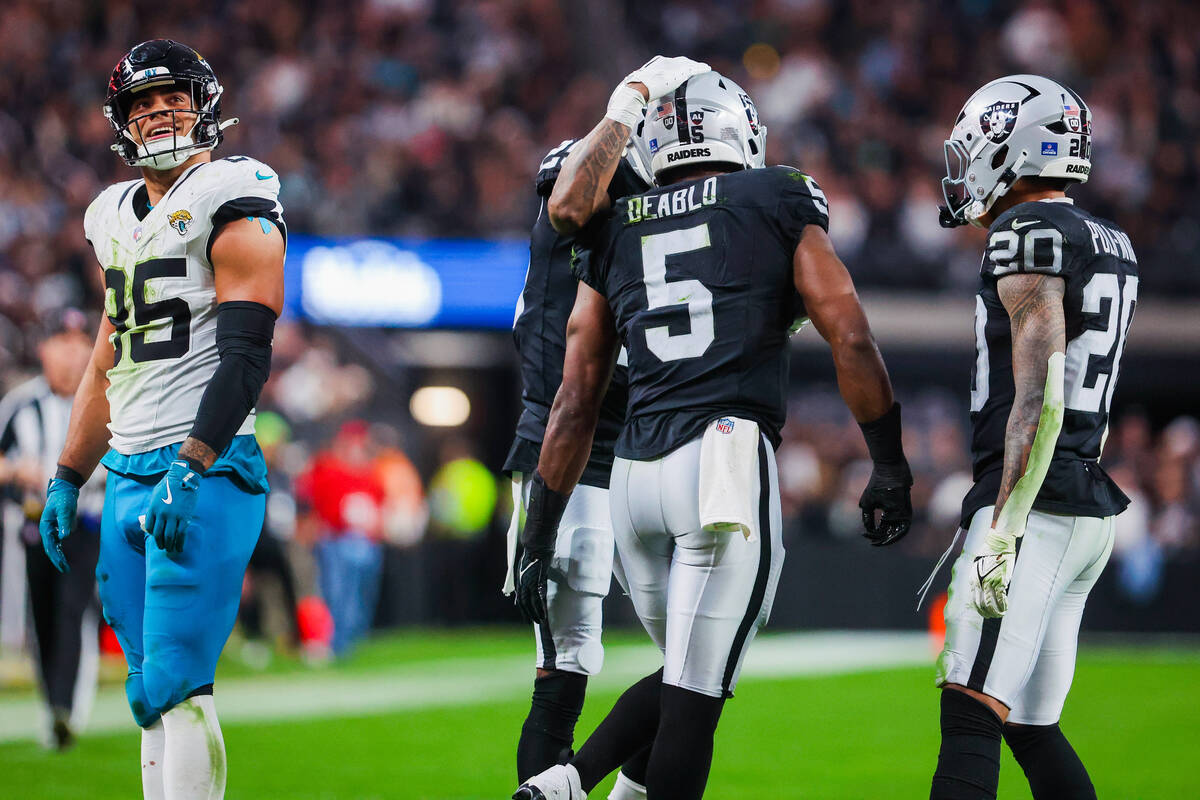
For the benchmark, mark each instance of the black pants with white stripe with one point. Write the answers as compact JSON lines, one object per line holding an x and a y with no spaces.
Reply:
{"x":59,"y":604}
{"x":702,"y":595}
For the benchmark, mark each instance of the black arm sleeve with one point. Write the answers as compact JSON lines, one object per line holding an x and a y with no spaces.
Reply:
{"x":244,"y":332}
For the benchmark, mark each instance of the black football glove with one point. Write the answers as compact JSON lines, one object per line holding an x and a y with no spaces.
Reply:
{"x":542,"y":516}
{"x":887,"y":492}
{"x":533,"y":571}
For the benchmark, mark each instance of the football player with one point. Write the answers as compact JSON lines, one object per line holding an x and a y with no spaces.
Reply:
{"x":1056,"y":298}
{"x":568,"y":640}
{"x":699,"y":280}
{"x":192,"y":255}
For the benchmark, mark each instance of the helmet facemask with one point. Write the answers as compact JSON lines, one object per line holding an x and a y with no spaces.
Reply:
{"x":164,"y":63}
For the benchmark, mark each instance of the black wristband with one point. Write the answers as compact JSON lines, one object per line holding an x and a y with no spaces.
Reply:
{"x":883,"y":437}
{"x":193,"y":464}
{"x":542,"y":516}
{"x":65,"y":473}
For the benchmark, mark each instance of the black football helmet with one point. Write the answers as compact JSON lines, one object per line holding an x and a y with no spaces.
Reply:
{"x":163,"y":62}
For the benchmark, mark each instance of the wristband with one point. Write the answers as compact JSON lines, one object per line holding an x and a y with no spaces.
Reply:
{"x":193,"y":464}
{"x":545,"y":511}
{"x":68,"y":475}
{"x":883,"y":437}
{"x":626,"y":106}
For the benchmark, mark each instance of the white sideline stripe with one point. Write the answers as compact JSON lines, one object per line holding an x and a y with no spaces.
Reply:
{"x":460,"y":682}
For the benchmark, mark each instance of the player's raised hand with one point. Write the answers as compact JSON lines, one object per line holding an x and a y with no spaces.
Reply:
{"x":992,"y":572}
{"x":658,"y":76}
{"x":58,"y":520}
{"x":887,"y":494}
{"x":171,"y":506}
{"x":662,"y":75}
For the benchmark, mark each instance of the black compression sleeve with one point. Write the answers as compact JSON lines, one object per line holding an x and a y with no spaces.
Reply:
{"x":244,"y":332}
{"x":542,"y":516}
{"x":883,"y":437}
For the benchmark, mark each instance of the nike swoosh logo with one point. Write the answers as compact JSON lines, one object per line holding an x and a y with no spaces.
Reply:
{"x":262,"y":177}
{"x":1016,"y":226}
{"x":167,"y":500}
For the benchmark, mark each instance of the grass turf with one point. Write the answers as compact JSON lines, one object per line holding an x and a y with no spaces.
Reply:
{"x":1132,"y":716}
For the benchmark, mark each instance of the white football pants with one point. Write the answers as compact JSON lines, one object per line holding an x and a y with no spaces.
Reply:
{"x":580,"y":575}
{"x":701,"y":595}
{"x":1026,"y":659}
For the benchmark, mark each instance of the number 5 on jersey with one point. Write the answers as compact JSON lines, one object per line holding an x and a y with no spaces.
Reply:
{"x":661,"y":293}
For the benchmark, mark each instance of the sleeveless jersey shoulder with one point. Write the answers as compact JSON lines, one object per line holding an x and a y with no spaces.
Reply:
{"x":1046,"y":238}
{"x":102,"y":212}
{"x":791,"y":197}
{"x":233,"y":188}
{"x":551,"y":165}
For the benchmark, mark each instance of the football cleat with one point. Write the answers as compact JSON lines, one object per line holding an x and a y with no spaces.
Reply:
{"x":560,"y":782}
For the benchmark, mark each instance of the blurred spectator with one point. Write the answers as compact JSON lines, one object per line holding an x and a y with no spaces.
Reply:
{"x":428,"y":118}
{"x":346,"y":496}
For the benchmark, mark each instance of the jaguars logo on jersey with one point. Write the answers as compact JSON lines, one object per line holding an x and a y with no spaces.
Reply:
{"x":180,"y":220}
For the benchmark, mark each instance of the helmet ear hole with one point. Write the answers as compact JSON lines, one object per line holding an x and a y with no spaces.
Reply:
{"x":999,"y":157}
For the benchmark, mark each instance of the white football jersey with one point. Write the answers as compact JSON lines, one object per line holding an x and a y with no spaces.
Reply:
{"x":160,"y":295}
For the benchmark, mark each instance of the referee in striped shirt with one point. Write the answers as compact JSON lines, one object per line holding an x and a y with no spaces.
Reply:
{"x":33,"y":427}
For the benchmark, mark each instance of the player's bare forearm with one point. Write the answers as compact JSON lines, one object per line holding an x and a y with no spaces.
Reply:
{"x":834,"y":308}
{"x":587,"y":368}
{"x":87,"y":431}
{"x":582,"y":185}
{"x":196,"y":450}
{"x":1035,"y":309}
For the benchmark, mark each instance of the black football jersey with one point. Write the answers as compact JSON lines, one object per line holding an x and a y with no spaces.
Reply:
{"x":1096,"y":260}
{"x":540,"y":332}
{"x":699,"y":277}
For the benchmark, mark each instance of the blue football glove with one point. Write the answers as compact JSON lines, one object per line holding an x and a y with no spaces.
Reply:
{"x":58,"y":520}
{"x":171,"y":506}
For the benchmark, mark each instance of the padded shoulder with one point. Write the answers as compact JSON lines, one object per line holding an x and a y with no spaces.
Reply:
{"x":104,"y":207}
{"x":551,"y":165}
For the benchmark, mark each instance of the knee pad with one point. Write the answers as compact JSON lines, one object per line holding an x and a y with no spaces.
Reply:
{"x":145,"y":713}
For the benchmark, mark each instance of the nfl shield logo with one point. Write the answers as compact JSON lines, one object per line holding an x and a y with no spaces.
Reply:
{"x":998,"y":119}
{"x":725,"y":425}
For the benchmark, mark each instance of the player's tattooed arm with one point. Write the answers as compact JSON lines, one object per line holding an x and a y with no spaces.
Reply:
{"x":582,"y":185}
{"x":592,"y":347}
{"x":193,"y":449}
{"x":1035,"y":309}
{"x":87,"y":432}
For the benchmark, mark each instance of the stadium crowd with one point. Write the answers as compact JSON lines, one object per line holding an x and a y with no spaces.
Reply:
{"x":428,"y":117}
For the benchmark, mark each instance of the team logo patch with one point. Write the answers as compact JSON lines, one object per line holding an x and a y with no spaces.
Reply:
{"x":998,"y":120}
{"x":697,"y":117}
{"x":668,"y":122}
{"x":1049,"y":148}
{"x":180,"y":220}
{"x":725,"y":425}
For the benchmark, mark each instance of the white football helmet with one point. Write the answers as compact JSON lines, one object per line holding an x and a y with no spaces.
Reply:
{"x":709,"y":118}
{"x":1014,"y":126}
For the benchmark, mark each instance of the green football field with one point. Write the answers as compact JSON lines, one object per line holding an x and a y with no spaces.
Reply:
{"x":435,"y":715}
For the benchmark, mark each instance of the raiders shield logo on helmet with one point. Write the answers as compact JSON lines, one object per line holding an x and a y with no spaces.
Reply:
{"x":998,"y":119}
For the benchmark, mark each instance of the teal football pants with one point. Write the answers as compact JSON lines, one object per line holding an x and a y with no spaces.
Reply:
{"x":173,"y":612}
